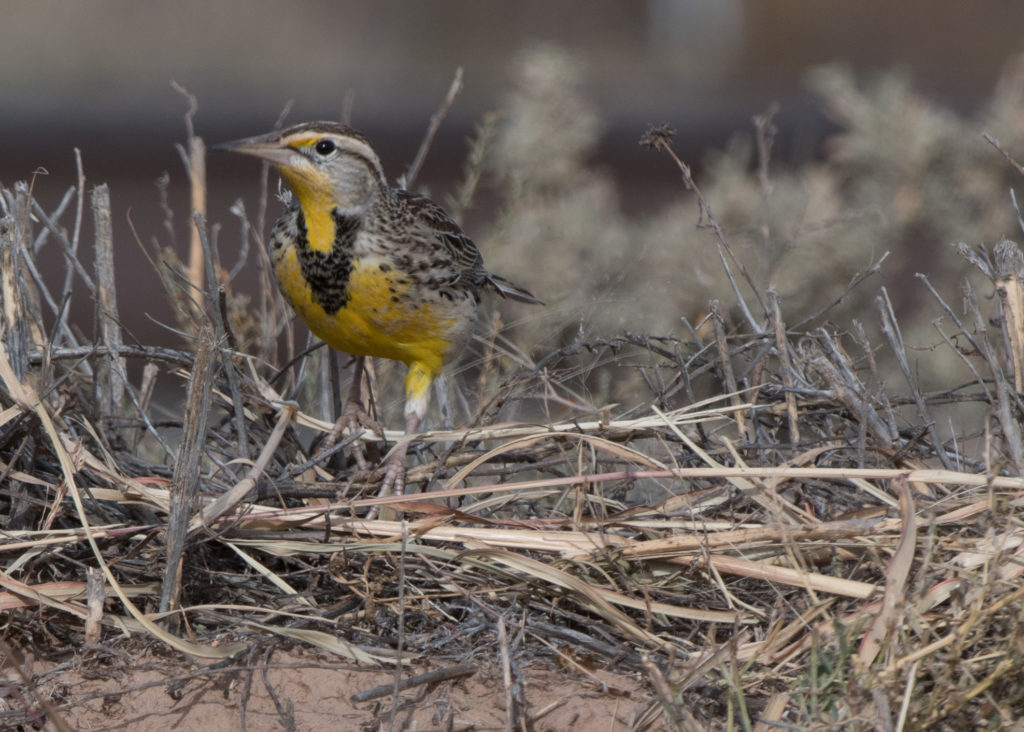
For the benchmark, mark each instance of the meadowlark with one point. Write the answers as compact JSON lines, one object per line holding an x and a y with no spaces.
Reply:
{"x":371,"y":269}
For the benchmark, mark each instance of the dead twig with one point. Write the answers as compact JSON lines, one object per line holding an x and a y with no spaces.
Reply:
{"x":431,"y":677}
{"x":409,"y":177}
{"x":185,"y":485}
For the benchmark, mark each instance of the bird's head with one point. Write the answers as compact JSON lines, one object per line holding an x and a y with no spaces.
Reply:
{"x":328,"y":165}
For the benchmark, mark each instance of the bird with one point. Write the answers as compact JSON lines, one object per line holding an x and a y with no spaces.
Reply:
{"x":373,"y":270}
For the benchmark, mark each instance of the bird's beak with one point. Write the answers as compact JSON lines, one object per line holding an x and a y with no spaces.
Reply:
{"x":268,"y":147}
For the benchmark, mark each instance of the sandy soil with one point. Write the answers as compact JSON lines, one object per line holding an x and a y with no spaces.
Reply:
{"x":301,"y":689}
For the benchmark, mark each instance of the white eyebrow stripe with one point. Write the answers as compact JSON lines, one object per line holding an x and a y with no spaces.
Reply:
{"x":360,"y":148}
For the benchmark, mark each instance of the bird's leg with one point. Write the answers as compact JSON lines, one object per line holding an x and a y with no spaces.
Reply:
{"x":394,"y":476}
{"x":354,"y":416}
{"x":417,"y":395}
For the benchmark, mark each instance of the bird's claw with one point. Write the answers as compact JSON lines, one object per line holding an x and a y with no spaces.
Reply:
{"x":394,"y":476}
{"x":353,"y":418}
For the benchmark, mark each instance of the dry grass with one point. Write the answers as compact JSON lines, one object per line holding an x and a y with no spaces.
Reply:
{"x":778,"y":533}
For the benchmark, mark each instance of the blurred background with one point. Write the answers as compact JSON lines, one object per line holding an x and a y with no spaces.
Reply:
{"x":876,"y":146}
{"x":97,"y":75}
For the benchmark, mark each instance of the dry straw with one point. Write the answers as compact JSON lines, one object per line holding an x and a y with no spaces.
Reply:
{"x":778,"y":528}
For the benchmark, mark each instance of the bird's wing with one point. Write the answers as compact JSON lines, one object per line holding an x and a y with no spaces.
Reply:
{"x":436,"y":227}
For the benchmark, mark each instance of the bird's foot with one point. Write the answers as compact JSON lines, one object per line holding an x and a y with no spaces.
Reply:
{"x":394,"y":476}
{"x":394,"y":479}
{"x":353,"y":418}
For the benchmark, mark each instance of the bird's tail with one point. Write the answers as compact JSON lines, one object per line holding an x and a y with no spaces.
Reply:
{"x":507,"y":289}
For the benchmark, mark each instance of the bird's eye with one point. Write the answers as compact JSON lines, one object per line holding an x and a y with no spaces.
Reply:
{"x":325,"y":147}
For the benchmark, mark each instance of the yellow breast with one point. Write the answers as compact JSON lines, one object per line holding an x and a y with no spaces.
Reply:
{"x":384,"y":315}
